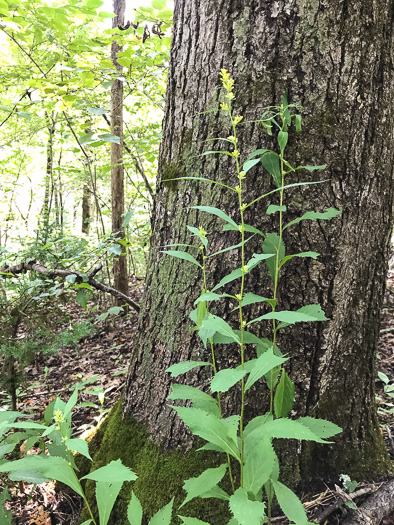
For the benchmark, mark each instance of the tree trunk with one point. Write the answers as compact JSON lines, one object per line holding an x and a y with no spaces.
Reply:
{"x":86,"y":214}
{"x":46,"y":207}
{"x":334,"y":58}
{"x":117,"y":170}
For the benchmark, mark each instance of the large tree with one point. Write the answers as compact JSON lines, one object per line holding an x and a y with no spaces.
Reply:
{"x":334,"y":60}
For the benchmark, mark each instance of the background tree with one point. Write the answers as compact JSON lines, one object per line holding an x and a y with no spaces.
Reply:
{"x":117,"y":169}
{"x":335,"y":60}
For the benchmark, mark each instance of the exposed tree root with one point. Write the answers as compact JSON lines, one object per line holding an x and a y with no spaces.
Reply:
{"x":376,"y":507}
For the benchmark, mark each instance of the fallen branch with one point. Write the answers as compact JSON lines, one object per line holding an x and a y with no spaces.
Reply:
{"x":40,"y":268}
{"x":379,"y":505}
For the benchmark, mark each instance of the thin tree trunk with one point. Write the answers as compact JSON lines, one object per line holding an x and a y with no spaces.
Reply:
{"x":334,"y":58}
{"x":46,"y":208}
{"x":86,"y":212}
{"x":117,"y":170}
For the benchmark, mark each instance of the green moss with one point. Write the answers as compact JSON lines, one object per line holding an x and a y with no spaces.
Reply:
{"x":160,"y":474}
{"x":170,"y":173}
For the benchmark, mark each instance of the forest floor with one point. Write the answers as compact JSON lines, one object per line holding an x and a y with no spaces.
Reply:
{"x":100,"y":362}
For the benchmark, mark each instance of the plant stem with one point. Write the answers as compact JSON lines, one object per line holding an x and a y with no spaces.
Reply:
{"x":214,"y":362}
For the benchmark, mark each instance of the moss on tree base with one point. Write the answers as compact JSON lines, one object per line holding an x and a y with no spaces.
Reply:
{"x":160,"y":474}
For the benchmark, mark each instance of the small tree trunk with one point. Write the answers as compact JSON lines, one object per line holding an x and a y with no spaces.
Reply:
{"x":117,"y":170}
{"x":86,"y":215}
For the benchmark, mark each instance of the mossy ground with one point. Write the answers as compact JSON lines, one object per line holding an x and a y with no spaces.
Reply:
{"x":160,"y":475}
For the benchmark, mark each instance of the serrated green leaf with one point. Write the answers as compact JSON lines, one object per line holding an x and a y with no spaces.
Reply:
{"x":50,"y":467}
{"x":262,"y":365}
{"x":163,"y":516}
{"x":106,"y":494}
{"x":185,"y":366}
{"x":306,"y":314}
{"x":114,"y":472}
{"x":282,"y":429}
{"x":183,"y":255}
{"x":134,"y":510}
{"x":259,"y":463}
{"x":284,"y":396}
{"x":290,"y":504}
{"x":199,"y":398}
{"x":220,"y":432}
{"x":80,"y":446}
{"x":223,"y":380}
{"x":245,"y":511}
{"x":320,"y":427}
{"x":213,"y":324}
{"x":194,"y":487}
{"x":215,"y":492}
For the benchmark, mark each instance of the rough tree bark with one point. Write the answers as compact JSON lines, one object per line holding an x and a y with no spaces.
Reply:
{"x":117,"y":170}
{"x":334,"y":57}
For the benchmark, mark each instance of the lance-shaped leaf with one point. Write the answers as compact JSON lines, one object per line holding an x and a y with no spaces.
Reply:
{"x":226,"y":378}
{"x":249,"y":165}
{"x":216,"y":211}
{"x":50,"y":467}
{"x":284,"y":396}
{"x":283,"y":429}
{"x":197,"y":397}
{"x":251,"y":298}
{"x":245,"y":511}
{"x":306,"y":314}
{"x":183,"y":255}
{"x":185,"y":366}
{"x":273,"y":208}
{"x":290,"y":504}
{"x":220,"y":432}
{"x":163,"y":516}
{"x":262,"y":365}
{"x":320,"y":427}
{"x":106,"y":494}
{"x":194,"y":487}
{"x":213,"y":324}
{"x":211,"y":296}
{"x":114,"y":472}
{"x":270,"y":161}
{"x":236,"y":274}
{"x":283,"y":137}
{"x":330,"y":213}
{"x":80,"y":446}
{"x":312,"y":255}
{"x":257,"y":153}
{"x":274,"y":245}
{"x":215,"y":492}
{"x":134,"y":510}
{"x":312,"y":168}
{"x":259,"y":463}
{"x":197,"y":232}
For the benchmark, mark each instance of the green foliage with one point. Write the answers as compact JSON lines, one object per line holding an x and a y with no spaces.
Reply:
{"x":250,"y":446}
